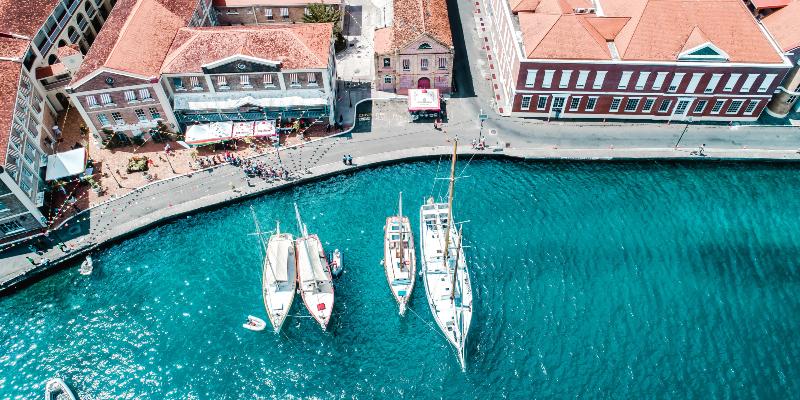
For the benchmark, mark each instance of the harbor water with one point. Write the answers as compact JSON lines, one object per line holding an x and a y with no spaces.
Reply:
{"x":591,"y":280}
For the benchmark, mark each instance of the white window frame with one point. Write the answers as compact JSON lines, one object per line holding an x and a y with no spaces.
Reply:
{"x":599,"y":78}
{"x":101,"y":117}
{"x":751,"y":106}
{"x":120,"y":121}
{"x":564,"y":81}
{"x":712,"y":83}
{"x":647,"y":108}
{"x":718,"y":104}
{"x":106,"y":96}
{"x":194,"y":81}
{"x":178,"y":83}
{"x":268,"y":14}
{"x":130,"y":96}
{"x":748,"y":83}
{"x":530,"y":79}
{"x":642,"y":80}
{"x":731,"y":82}
{"x":612,"y":108}
{"x":144,"y":95}
{"x":660,"y":78}
{"x":539,"y":102}
{"x":694,"y":82}
{"x":738,"y":108}
{"x":572,"y":101}
{"x":312,"y":78}
{"x":548,"y":78}
{"x":423,"y":64}
{"x":627,"y":103}
{"x":768,"y":78}
{"x":244,"y":80}
{"x":222,"y":82}
{"x":140,"y":115}
{"x":582,"y":76}
{"x":442,"y":62}
{"x":12,"y":226}
{"x":591,"y":101}
{"x":294,"y":79}
{"x":284,"y":13}
{"x":387,"y":79}
{"x":91,"y":101}
{"x":154,"y":113}
{"x":268,"y":81}
{"x":522,"y":103}
{"x":406,"y":64}
{"x":624,"y":80}
{"x":685,"y":108}
{"x":664,"y":106}
{"x":675,"y":83}
{"x":704,"y":104}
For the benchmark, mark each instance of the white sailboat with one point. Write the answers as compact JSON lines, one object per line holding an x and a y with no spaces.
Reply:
{"x":279,"y":279}
{"x":445,"y":271}
{"x":399,"y":257}
{"x":314,"y":275}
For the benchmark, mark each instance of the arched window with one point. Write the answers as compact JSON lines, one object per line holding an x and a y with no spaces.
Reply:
{"x":62,"y":43}
{"x":425,"y":46}
{"x":81,"y":20}
{"x":52,"y":59}
{"x":73,"y":34}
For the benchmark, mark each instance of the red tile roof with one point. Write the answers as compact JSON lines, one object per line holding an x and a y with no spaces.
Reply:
{"x":413,"y":18}
{"x":120,"y":44}
{"x":256,"y":3}
{"x":783,"y":25}
{"x":384,"y":40}
{"x":762,"y":4}
{"x":50,"y":70}
{"x":66,"y":51}
{"x":298,"y":46}
{"x":567,"y":37}
{"x":9,"y":79}
{"x":647,"y":30}
{"x":524,"y":5}
{"x":25,"y":17}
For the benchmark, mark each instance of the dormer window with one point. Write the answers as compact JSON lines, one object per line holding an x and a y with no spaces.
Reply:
{"x":222,"y":82}
{"x":425,"y":46}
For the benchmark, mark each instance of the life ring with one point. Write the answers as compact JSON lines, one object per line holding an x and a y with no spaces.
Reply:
{"x":406,"y":262}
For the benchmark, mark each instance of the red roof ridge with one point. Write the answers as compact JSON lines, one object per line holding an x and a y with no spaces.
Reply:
{"x":598,"y":37}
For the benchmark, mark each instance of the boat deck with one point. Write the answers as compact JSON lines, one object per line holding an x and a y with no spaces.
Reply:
{"x":399,"y":275}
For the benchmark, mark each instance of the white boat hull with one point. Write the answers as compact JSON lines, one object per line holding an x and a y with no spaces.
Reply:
{"x":318,"y":297}
{"x":400,"y":275}
{"x":453,"y":313}
{"x":254,"y":324}
{"x":57,"y":388}
{"x":279,"y":281}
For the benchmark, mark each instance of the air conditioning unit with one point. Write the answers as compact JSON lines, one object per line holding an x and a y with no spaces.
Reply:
{"x":591,"y":11}
{"x":579,"y":11}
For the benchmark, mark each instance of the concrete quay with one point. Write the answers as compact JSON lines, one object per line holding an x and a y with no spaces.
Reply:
{"x":183,"y":195}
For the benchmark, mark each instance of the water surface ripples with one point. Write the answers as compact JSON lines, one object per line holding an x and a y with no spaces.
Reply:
{"x":592,"y":280}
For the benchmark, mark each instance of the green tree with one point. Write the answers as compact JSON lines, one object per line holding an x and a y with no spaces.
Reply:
{"x":319,"y":12}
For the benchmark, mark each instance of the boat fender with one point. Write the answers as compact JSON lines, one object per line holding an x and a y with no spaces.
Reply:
{"x":382,"y":262}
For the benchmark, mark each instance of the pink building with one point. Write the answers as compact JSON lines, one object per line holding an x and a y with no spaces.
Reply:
{"x":417,"y":52}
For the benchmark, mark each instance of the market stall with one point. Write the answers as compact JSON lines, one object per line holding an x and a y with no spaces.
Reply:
{"x":424,"y":103}
{"x":242,"y":129}
{"x":265,"y":128}
{"x":68,"y":163}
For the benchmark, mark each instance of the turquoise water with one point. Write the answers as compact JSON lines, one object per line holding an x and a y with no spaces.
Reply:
{"x":592,"y":280}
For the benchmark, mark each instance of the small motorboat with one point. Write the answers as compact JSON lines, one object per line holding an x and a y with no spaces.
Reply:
{"x":254,"y":324}
{"x":336,"y":263}
{"x":86,"y":266}
{"x":57,"y":389}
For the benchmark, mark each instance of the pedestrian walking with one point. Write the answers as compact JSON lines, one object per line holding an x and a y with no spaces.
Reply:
{"x":341,"y":119}
{"x":166,"y":149}
{"x":344,"y":159}
{"x":474,"y":143}
{"x":61,"y":246}
{"x":233,"y":187}
{"x":349,"y":159}
{"x":190,"y":164}
{"x":31,"y":260}
{"x":328,"y":128}
{"x":434,"y":124}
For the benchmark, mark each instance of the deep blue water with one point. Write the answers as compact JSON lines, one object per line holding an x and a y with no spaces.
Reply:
{"x":592,"y":280}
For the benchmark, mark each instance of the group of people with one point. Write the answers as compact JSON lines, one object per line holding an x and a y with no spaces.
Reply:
{"x":479,"y":144}
{"x":260,"y":170}
{"x":347,"y":160}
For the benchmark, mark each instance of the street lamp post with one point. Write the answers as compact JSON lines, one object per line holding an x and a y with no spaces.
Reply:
{"x":170,"y":164}
{"x":110,"y":172}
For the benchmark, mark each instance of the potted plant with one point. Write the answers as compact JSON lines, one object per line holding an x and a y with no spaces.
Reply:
{"x":84,"y":130}
{"x":137,"y":164}
{"x":95,"y":186}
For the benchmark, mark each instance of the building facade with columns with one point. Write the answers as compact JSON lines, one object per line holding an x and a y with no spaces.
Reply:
{"x":642,"y":59}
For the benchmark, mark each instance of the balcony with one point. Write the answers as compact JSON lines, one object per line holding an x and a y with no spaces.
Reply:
{"x":52,"y":37}
{"x":82,"y":25}
{"x":57,"y":84}
{"x":74,"y":37}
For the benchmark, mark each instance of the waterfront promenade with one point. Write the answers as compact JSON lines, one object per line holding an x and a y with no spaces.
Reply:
{"x":377,"y":143}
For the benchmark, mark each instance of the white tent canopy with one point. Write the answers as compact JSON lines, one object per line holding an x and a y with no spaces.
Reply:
{"x":242,"y":129}
{"x":65,"y":164}
{"x":269,"y":98}
{"x":423,"y":100}
{"x":265,"y":128}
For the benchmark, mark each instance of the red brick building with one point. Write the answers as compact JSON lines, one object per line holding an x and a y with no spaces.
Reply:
{"x":641,"y":59}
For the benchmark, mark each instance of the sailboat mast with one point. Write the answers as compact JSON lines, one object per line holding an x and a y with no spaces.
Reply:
{"x":455,"y":272}
{"x":400,"y":244}
{"x":450,"y":203}
{"x":305,"y":241}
